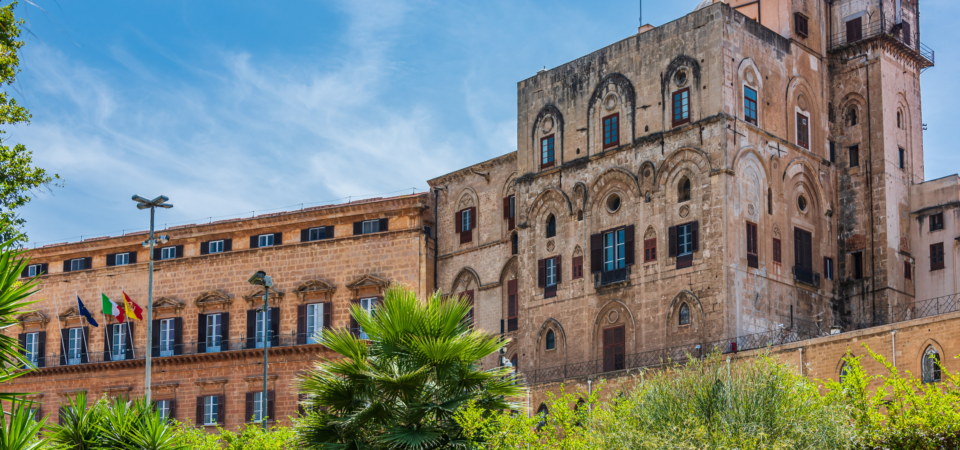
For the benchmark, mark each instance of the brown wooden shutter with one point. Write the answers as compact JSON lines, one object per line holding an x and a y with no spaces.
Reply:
{"x":797,"y":243}
{"x":854,"y":30}
{"x":384,"y":224}
{"x":777,"y":255}
{"x":558,"y":269}
{"x":672,"y":242}
{"x":907,"y":273}
{"x":179,"y":249}
{"x":228,"y":245}
{"x":128,"y":352}
{"x":22,"y":339}
{"x":173,"y":409}
{"x":84,"y":351}
{"x":473,"y":218}
{"x":629,"y":245}
{"x":65,"y":345}
{"x":254,"y":241}
{"x":248,"y":412}
{"x":221,"y":409}
{"x":305,"y":235}
{"x":328,"y":232}
{"x":107,"y":343}
{"x":277,"y":238}
{"x":178,"y":336}
{"x":87,"y":263}
{"x":200,"y":411}
{"x":271,"y":401}
{"x":205,"y":248}
{"x":358,"y":228}
{"x":328,"y":315}
{"x":111,"y":259}
{"x":596,"y":253}
{"x":301,"y":324}
{"x":201,"y":333}
{"x":155,"y":338}
{"x":66,"y":266}
{"x":541,"y":273}
{"x":458,"y":222}
{"x":695,"y":229}
{"x":354,"y":326}
{"x":275,"y":326}
{"x":511,"y":299}
{"x":506,"y":207}
{"x":251,"y":328}
{"x":41,"y":348}
{"x":907,"y":37}
{"x":225,"y":330}
{"x":44,"y":268}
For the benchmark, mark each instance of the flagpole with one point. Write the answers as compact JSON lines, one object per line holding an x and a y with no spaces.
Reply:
{"x":83,"y":335}
{"x":133,"y":348}
{"x":63,"y":346}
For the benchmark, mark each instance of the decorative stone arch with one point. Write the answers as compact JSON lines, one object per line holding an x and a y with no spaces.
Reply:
{"x":801,"y":167}
{"x":852,"y":100}
{"x":612,"y":176}
{"x":749,"y":76}
{"x":509,"y":186}
{"x":213,"y":300}
{"x":647,"y":176}
{"x":511,"y":267}
{"x":465,"y":279}
{"x":579,"y":200}
{"x":687,"y":154}
{"x":468,"y":198}
{"x":929,"y":342}
{"x":577,"y":251}
{"x":621,"y":87}
{"x":368,"y":283}
{"x":668,"y":87}
{"x":800,"y":99}
{"x":549,"y":121}
{"x":903,"y":106}
{"x":33,"y":320}
{"x":558,"y":356}
{"x":547,"y":198}
{"x":650,"y":233}
{"x":748,"y":64}
{"x":312,"y":289}
{"x":751,"y":188}
{"x":623,"y":316}
{"x":688,"y":297}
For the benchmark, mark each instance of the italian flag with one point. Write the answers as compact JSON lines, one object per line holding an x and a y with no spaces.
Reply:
{"x":134,"y":311}
{"x":109,"y":307}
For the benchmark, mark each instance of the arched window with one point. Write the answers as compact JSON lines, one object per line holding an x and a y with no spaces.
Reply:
{"x":551,"y":340}
{"x":551,"y":226}
{"x":931,"y":365}
{"x":683,"y":190}
{"x":684,"y":314}
{"x":542,"y":412}
{"x":852,"y":116}
{"x":514,"y":244}
{"x":898,"y":120}
{"x":844,"y":369}
{"x":515,"y":363}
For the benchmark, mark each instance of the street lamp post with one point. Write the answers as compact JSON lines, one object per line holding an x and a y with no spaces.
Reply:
{"x":262,"y":279}
{"x":143,"y":203}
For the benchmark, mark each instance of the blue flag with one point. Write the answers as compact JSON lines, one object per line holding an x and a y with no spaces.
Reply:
{"x":85,"y":313}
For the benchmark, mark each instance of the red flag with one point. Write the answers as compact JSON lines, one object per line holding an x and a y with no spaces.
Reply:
{"x":133,"y":310}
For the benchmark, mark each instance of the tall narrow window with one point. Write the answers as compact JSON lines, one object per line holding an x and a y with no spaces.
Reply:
{"x":803,"y":131}
{"x":510,"y":211}
{"x":32,"y":348}
{"x":684,"y":314}
{"x":214,"y":332}
{"x":163,"y":407}
{"x":75,"y":346}
{"x":551,"y":266}
{"x":613,"y":349}
{"x":855,"y":156}
{"x":902,"y":154}
{"x":551,"y":226}
{"x":611,"y":131}
{"x":844,"y":370}
{"x":857,"y":265}
{"x":551,"y":340}
{"x":936,"y":256}
{"x":368,"y":305}
{"x":936,"y":221}
{"x":854,"y":30}
{"x":931,"y":365}
{"x":907,"y":270}
{"x":167,"y":334}
{"x":828,"y":268}
{"x":614,"y":250}
{"x":899,"y":115}
{"x":777,"y":258}
{"x":683,"y":190}
{"x":512,"y":305}
{"x":833,"y":152}
{"x":514,"y":244}
{"x":681,"y":107}
{"x":119,"y":342}
{"x":803,"y":249}
{"x":851,"y":116}
{"x":753,"y":259}
{"x":546,"y":152}
{"x":258,"y":408}
{"x":210,"y":408}
{"x":314,"y":321}
{"x":577,"y":267}
{"x":749,"y":105}
{"x":905,"y":32}
{"x":650,"y":250}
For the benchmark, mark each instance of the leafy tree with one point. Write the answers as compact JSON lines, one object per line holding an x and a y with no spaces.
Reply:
{"x":18,"y":176}
{"x":400,"y":388}
{"x":249,"y":437}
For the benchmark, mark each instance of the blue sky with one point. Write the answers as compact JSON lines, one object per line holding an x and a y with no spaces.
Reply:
{"x":233,"y":107}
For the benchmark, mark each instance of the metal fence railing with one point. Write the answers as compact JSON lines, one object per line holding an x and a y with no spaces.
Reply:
{"x":908,"y":40}
{"x":790,"y":331}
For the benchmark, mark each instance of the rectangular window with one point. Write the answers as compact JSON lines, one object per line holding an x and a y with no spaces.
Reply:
{"x":681,"y":107}
{"x":546,"y":152}
{"x":828,"y":268}
{"x":777,"y":258}
{"x":551,"y":266}
{"x":650,"y":250}
{"x":371,"y":226}
{"x":800,"y":22}
{"x":210,"y":410}
{"x":168,"y":253}
{"x":749,"y":105}
{"x":577,"y":267}
{"x":74,"y":345}
{"x":214,"y":332}
{"x":314,"y":321}
{"x":265,"y":240}
{"x":316,"y":233}
{"x":907,"y":270}
{"x":753,"y":260}
{"x":77,"y":264}
{"x":857,"y":265}
{"x":903,"y":159}
{"x":258,"y":403}
{"x":803,"y":131}
{"x":167,"y":337}
{"x":855,"y":156}
{"x":33,"y":270}
{"x":685,"y":239}
{"x":936,"y":221}
{"x":368,"y":305}
{"x":261,"y":329}
{"x":121,"y":259}
{"x":936,"y":256}
{"x":465,"y":220}
{"x":611,"y":131}
{"x":614,"y":250}
{"x":32,"y":348}
{"x":613,"y":349}
{"x":163,"y":407}
{"x":215,"y":246}
{"x":854,"y":30}
{"x":119,"y":342}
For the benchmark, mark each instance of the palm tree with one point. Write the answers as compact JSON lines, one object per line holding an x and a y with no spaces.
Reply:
{"x":401,"y":387}
{"x":19,"y":429}
{"x":13,"y":295}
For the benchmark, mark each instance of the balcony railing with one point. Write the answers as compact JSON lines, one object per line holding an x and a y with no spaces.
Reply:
{"x":610,"y":277}
{"x":924,"y":55}
{"x":806,"y":276}
{"x":192,"y":348}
